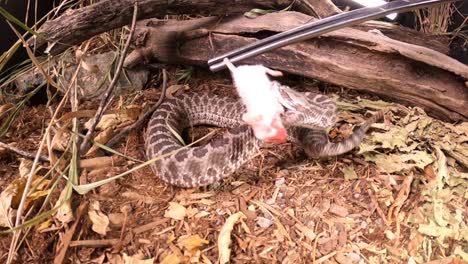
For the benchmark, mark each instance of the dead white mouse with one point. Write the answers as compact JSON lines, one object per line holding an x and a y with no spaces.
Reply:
{"x":260,"y":97}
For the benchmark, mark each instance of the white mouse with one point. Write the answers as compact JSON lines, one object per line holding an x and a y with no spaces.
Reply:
{"x":260,"y":97}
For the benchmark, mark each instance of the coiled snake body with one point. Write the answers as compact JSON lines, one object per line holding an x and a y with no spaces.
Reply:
{"x":203,"y":165}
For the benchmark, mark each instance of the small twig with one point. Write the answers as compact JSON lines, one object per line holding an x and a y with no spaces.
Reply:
{"x":143,"y":118}
{"x":110,"y":90}
{"x":94,"y":243}
{"x":62,"y":251}
{"x":23,"y":153}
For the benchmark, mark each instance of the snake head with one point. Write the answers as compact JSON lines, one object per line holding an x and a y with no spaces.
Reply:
{"x":308,"y":109}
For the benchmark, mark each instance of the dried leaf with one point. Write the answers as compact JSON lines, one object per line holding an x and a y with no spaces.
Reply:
{"x":432,"y":229}
{"x":5,"y":205}
{"x":191,"y":243}
{"x":175,"y":211}
{"x":44,"y":225}
{"x":460,"y":252}
{"x":367,"y":147}
{"x":25,"y":167}
{"x":462,"y":128}
{"x":414,"y":244}
{"x":60,"y":140}
{"x":174,"y":89}
{"x":396,"y":137}
{"x":398,"y":163}
{"x":129,"y":114}
{"x":98,"y":218}
{"x":171,"y":259}
{"x":224,"y":238}
{"x":191,"y":211}
{"x":64,"y":213}
{"x":349,"y":172}
{"x":430,"y":173}
{"x":442,"y":172}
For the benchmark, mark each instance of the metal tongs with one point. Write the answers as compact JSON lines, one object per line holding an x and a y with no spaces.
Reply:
{"x":318,"y":27}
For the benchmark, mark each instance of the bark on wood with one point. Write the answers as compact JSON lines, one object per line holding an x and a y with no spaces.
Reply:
{"x":357,"y":59}
{"x":76,"y":26}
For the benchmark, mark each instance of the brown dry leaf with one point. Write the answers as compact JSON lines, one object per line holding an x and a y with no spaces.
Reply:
{"x":136,"y":259}
{"x":102,"y":138}
{"x":44,"y":225}
{"x":402,"y":196}
{"x":191,"y":243}
{"x":19,"y":185}
{"x":396,"y":137}
{"x":129,"y":114}
{"x":6,"y":212}
{"x":224,"y":238}
{"x":430,"y":173}
{"x":414,"y":244}
{"x":25,"y":167}
{"x":60,"y":140}
{"x":173,"y":89}
{"x":206,"y":260}
{"x":64,"y":213}
{"x":171,"y":259}
{"x":91,"y":68}
{"x":191,"y":211}
{"x":201,"y":214}
{"x":98,"y":218}
{"x":175,"y":211}
{"x":392,"y":163}
{"x":349,"y":172}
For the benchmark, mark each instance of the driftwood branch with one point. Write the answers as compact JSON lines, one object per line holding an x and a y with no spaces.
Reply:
{"x":76,"y":26}
{"x":367,"y":60}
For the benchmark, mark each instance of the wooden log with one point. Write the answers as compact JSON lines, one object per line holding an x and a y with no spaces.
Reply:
{"x":76,"y":26}
{"x":354,"y":58}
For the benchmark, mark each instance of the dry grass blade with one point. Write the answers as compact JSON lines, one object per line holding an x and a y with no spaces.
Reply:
{"x":435,"y":20}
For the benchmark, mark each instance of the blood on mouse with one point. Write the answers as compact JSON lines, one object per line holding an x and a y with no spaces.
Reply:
{"x":280,"y":134}
{"x":260,"y":98}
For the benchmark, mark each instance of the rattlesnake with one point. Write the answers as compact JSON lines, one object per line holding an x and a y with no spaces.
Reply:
{"x":203,"y":165}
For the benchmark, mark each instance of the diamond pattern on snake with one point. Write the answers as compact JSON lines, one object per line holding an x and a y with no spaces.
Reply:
{"x":306,"y":123}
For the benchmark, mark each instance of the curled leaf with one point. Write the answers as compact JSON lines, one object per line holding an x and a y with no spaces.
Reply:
{"x":224,"y":238}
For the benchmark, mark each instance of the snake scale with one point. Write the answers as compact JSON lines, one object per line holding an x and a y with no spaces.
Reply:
{"x":203,"y":165}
